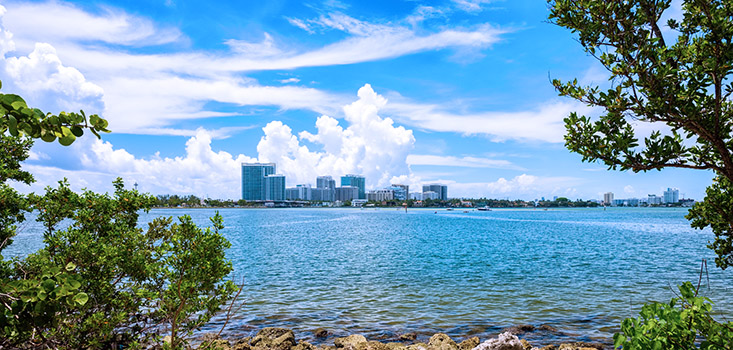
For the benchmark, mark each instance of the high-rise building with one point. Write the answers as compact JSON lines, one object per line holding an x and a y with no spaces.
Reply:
{"x":253,"y":180}
{"x":653,"y":199}
{"x":275,"y":187}
{"x":326,"y":187}
{"x":401,"y":192}
{"x":440,"y":189}
{"x":608,"y":198}
{"x":347,"y":193}
{"x":380,"y":195}
{"x":671,"y":195}
{"x":357,"y":181}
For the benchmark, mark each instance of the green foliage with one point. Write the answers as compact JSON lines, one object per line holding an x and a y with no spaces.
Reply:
{"x":683,"y":323}
{"x":100,"y":281}
{"x":685,"y":84}
{"x":716,"y":211}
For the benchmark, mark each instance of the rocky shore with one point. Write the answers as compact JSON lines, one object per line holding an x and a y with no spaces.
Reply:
{"x":284,"y":339}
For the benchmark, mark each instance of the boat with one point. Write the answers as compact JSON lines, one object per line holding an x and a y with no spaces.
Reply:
{"x":484,"y":208}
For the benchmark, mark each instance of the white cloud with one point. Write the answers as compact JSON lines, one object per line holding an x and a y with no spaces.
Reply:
{"x":471,"y":5}
{"x":468,"y":162}
{"x":520,"y":187}
{"x":369,"y":145}
{"x":542,"y":124}
{"x":41,"y":72}
{"x":300,"y":24}
{"x":290,"y":80}
{"x":628,"y":189}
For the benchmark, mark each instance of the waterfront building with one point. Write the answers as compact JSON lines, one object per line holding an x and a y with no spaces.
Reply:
{"x":671,"y":195}
{"x":358,"y":202}
{"x":440,"y":189}
{"x":653,"y":199}
{"x":401,"y":192}
{"x":608,"y":198}
{"x":325,"y":188}
{"x":629,"y":202}
{"x":417,"y":196}
{"x":347,"y":193}
{"x":380,"y":195}
{"x":275,"y":187}
{"x":430,"y":195}
{"x":300,"y":192}
{"x":357,"y":181}
{"x":253,"y":180}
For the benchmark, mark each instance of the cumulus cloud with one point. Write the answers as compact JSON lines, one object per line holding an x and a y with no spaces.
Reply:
{"x":369,"y":145}
{"x":523,"y":186}
{"x":468,"y":162}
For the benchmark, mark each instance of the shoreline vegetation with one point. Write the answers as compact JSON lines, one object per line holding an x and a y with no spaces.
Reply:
{"x":191,"y":201}
{"x":273,"y":338}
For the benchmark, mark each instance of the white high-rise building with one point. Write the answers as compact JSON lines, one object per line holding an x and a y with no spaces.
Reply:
{"x":608,"y":198}
{"x":671,"y":195}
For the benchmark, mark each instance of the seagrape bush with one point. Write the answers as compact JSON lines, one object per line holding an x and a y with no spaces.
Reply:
{"x":100,"y":281}
{"x":676,"y":73}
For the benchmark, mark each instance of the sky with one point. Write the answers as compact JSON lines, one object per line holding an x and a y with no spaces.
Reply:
{"x":401,"y":91}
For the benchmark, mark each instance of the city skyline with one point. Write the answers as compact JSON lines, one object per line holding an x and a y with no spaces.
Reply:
{"x":455,"y":92}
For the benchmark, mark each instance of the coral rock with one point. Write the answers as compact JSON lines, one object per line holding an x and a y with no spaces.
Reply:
{"x":273,"y":339}
{"x":505,"y":341}
{"x":349,"y":342}
{"x":469,"y":343}
{"x":441,"y":341}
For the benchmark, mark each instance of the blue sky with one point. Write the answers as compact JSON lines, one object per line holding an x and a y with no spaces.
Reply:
{"x":401,"y":91}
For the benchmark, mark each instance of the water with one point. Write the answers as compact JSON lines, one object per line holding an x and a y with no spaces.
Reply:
{"x":386,"y":272}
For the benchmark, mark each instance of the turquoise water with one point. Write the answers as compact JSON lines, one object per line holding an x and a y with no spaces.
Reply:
{"x":385,"y":272}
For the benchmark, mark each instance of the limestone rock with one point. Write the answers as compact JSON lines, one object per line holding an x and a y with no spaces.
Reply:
{"x":520,"y":329}
{"x":505,"y":341}
{"x":469,"y":343}
{"x":349,"y":342}
{"x":273,"y":339}
{"x":547,"y":327}
{"x":396,"y":346}
{"x":408,"y":336}
{"x":320,"y":333}
{"x":441,"y":341}
{"x":525,"y":344}
{"x":418,"y":346}
{"x":242,"y":344}
{"x":372,"y":345}
{"x":581,"y":346}
{"x":304,"y":345}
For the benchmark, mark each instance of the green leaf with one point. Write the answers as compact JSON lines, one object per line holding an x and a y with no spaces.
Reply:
{"x":73,"y":284}
{"x":77,"y":131}
{"x":81,"y":298}
{"x":94,"y":119}
{"x":48,"y":136}
{"x":12,"y":125}
{"x":67,"y":139}
{"x":70,"y":266}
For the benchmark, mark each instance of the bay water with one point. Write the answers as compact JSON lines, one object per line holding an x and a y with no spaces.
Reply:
{"x":384,"y":272}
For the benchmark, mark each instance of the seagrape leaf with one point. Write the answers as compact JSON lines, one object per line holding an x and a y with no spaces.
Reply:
{"x":81,"y":298}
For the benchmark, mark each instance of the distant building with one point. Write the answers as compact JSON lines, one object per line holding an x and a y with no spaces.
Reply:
{"x":275,"y":187}
{"x":653,"y":199}
{"x":401,"y":192}
{"x":358,"y":202}
{"x":440,"y":189}
{"x":380,"y":195}
{"x":608,"y":198}
{"x":357,"y":181}
{"x":347,"y":193}
{"x":299,"y":192}
{"x":671,"y":195}
{"x":325,"y":189}
{"x":629,"y":202}
{"x":253,"y":180}
{"x":417,"y":196}
{"x":430,"y":195}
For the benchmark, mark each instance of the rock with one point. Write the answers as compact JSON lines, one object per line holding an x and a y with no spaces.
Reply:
{"x":349,"y":342}
{"x":469,"y":343}
{"x":549,"y":347}
{"x":418,"y":346}
{"x":520,"y":329}
{"x":505,"y":341}
{"x":408,"y":336}
{"x":396,"y":346}
{"x":304,"y":345}
{"x":372,"y":345}
{"x":218,"y":344}
{"x":271,"y":338}
{"x":441,"y":341}
{"x":547,"y":327}
{"x":242,"y":344}
{"x":321,"y":333}
{"x":581,"y":346}
{"x":525,"y":344}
